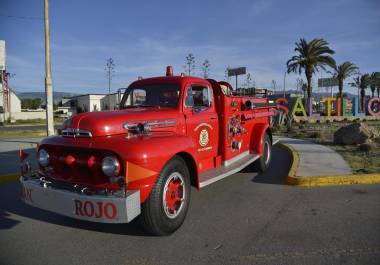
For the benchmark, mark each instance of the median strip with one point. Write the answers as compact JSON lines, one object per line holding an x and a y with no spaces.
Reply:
{"x":318,"y":181}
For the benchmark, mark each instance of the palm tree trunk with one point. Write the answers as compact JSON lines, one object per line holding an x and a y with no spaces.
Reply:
{"x":362,"y":95}
{"x":309,"y":75}
{"x":340,"y":88}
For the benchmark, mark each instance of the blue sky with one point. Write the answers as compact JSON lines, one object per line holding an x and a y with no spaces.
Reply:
{"x":144,"y":36}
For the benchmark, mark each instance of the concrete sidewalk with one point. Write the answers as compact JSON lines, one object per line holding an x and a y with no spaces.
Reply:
{"x":317,"y":160}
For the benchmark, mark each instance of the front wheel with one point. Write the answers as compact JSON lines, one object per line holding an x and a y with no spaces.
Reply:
{"x":261,"y":164}
{"x":165,"y":209}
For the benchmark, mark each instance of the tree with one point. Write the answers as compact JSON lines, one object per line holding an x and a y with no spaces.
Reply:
{"x":311,"y":56}
{"x":375,"y":83}
{"x":300,"y":84}
{"x":344,"y":71}
{"x":274,"y":84}
{"x":110,"y":71}
{"x":28,"y":103}
{"x":362,"y":82}
{"x":206,"y":68}
{"x":248,"y":80}
{"x":226,"y":76}
{"x":190,"y":63}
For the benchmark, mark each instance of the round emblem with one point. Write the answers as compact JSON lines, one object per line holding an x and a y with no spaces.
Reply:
{"x":203,"y":138}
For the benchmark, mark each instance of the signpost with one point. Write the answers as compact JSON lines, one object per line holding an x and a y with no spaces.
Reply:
{"x":328,"y":82}
{"x":237,"y":71}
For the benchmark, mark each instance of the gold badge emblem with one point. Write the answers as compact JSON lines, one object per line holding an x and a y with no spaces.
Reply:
{"x":203,"y":137}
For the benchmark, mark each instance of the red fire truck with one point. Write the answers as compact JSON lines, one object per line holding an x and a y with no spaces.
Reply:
{"x":170,"y":133}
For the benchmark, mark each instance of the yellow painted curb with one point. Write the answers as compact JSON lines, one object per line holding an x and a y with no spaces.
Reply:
{"x":9,"y":178}
{"x":317,"y":181}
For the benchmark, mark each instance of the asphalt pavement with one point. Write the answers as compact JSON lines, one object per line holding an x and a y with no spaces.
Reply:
{"x":9,"y":152}
{"x":243,"y":219}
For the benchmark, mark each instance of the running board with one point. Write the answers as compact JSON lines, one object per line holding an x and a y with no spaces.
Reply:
{"x":216,"y":174}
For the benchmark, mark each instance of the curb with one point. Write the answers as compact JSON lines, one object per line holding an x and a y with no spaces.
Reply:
{"x":9,"y":178}
{"x":319,"y":181}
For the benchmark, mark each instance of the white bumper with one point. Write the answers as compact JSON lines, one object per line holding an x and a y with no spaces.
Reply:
{"x":95,"y":208}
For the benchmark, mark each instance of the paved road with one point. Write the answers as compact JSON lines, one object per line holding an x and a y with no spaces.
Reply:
{"x":9,"y":152}
{"x":244,"y":219}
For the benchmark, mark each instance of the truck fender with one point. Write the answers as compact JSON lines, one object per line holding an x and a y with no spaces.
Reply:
{"x":176,"y":145}
{"x":257,"y":136}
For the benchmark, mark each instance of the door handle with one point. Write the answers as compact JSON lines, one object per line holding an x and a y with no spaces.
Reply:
{"x":213,"y":118}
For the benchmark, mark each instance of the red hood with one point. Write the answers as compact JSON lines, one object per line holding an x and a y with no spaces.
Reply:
{"x":104,"y":123}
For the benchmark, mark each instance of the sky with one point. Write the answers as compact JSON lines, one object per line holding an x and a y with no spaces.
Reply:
{"x":143,"y":37}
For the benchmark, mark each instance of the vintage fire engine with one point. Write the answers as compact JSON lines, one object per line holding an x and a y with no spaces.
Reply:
{"x":170,"y":133}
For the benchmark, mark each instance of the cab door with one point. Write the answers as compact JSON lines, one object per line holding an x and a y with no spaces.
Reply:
{"x":202,"y":123}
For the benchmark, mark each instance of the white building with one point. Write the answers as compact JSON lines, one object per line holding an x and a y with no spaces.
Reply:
{"x":90,"y":102}
{"x":14,"y":101}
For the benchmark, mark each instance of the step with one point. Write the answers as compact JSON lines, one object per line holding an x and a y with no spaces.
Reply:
{"x":216,"y":174}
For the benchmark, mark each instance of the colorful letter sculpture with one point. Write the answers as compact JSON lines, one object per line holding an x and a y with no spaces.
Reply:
{"x":298,"y":108}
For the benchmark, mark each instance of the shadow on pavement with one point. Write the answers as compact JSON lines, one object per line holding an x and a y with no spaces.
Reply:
{"x":281,"y":162}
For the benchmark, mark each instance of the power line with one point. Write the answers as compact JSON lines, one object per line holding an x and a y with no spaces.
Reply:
{"x":22,"y":17}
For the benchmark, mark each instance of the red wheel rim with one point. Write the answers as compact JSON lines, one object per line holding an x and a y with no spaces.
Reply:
{"x":173,"y":195}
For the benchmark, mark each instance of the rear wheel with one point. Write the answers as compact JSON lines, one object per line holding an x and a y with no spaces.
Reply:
{"x":165,"y":209}
{"x":263,"y":162}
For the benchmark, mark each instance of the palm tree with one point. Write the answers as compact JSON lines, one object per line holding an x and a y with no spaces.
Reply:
{"x":362,"y":83}
{"x":311,"y":56}
{"x":375,"y":83}
{"x":344,"y":71}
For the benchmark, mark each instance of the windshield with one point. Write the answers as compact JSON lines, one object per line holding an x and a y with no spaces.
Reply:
{"x":155,"y":95}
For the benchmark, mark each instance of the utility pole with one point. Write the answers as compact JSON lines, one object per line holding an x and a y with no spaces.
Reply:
{"x":48,"y":79}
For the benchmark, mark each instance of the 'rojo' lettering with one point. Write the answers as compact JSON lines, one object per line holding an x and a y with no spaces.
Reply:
{"x":96,"y":210}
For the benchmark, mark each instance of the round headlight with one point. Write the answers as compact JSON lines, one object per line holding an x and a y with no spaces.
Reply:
{"x":43,"y":157}
{"x":110,"y":166}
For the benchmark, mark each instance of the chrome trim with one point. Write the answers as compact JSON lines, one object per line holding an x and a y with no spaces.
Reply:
{"x":229,"y":173}
{"x":235,"y":159}
{"x":162,"y":123}
{"x":71,"y":132}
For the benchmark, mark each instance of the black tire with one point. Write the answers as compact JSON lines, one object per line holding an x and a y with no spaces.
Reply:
{"x":261,"y":164}
{"x":156,"y":217}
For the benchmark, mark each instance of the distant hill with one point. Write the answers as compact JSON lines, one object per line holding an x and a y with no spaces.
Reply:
{"x":57,"y":96}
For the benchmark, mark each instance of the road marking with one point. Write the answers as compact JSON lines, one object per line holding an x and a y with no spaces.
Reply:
{"x":9,"y":178}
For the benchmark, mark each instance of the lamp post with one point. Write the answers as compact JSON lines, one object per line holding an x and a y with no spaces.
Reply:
{"x":48,"y":79}
{"x":284,"y":83}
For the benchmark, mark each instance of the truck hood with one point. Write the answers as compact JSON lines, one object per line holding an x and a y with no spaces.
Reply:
{"x":105,"y":123}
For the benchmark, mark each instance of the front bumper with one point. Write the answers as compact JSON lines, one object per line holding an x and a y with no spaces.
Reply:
{"x":95,"y":208}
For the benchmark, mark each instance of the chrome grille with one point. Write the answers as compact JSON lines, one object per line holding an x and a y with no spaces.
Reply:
{"x":69,"y":132}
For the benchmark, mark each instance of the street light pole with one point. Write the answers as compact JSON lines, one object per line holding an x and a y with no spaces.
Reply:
{"x":284,"y":83}
{"x":48,"y":79}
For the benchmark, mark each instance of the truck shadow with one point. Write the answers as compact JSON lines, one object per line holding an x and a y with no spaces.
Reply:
{"x":10,"y":203}
{"x":281,"y":162}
